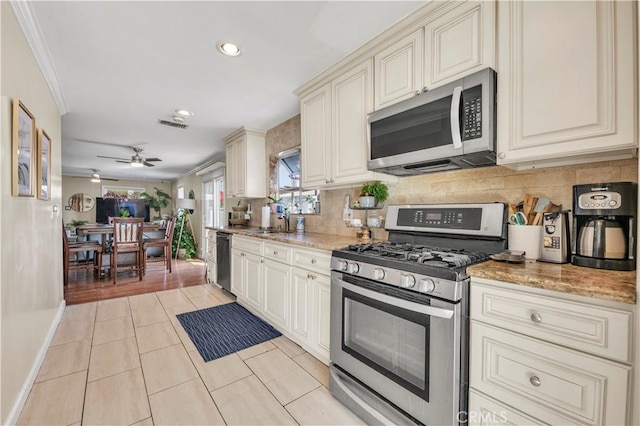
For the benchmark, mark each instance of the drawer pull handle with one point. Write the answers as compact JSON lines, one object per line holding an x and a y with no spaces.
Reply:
{"x":535,"y":317}
{"x":313,"y":261}
{"x":535,"y":381}
{"x":275,"y":252}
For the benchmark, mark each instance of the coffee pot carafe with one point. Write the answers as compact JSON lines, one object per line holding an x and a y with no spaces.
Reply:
{"x":604,"y":225}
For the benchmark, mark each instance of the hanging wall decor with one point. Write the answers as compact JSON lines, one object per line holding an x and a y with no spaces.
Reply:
{"x":23,"y":142}
{"x":44,"y":165}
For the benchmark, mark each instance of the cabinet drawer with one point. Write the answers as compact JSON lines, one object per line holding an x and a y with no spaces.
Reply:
{"x":279,"y":252}
{"x":589,"y":328}
{"x":247,"y":244}
{"x":484,"y":411}
{"x":546,"y":381}
{"x":211,"y":235}
{"x":314,"y":260}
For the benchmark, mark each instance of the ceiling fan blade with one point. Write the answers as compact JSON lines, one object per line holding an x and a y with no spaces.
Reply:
{"x":114,"y":180}
{"x":152,"y":159}
{"x":111,"y":158}
{"x":123,"y":161}
{"x":149,"y":164}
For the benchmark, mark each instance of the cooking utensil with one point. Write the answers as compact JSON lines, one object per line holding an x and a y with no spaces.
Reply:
{"x":518,"y":218}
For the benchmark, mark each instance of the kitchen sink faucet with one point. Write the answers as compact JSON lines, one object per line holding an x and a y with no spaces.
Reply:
{"x":285,"y":216}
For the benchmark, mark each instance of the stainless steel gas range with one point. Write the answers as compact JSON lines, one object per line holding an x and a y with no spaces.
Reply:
{"x":399,"y":313}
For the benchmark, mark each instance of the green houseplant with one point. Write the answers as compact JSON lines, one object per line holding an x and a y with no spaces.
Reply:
{"x":187,"y":242}
{"x":157,"y":202}
{"x":378,"y":190}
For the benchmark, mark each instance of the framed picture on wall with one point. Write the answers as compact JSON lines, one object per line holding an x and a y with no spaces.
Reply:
{"x":44,"y":165}
{"x":23,"y":143}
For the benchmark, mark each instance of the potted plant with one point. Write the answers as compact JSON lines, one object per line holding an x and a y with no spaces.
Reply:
{"x":274,"y":202}
{"x":373,"y":193}
{"x":157,"y":202}
{"x":187,"y":241}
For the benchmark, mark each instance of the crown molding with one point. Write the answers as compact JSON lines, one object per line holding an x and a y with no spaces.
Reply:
{"x":28,"y":23}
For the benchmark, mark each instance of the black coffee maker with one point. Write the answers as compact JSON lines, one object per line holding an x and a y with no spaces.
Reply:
{"x":604,"y":225}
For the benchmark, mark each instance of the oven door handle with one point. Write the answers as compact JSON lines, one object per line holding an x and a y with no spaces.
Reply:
{"x":400,"y":303}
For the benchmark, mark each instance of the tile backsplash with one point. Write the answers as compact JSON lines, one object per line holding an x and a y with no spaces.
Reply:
{"x":486,"y":184}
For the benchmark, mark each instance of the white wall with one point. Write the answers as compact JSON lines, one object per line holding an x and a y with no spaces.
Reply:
{"x":31,"y":290}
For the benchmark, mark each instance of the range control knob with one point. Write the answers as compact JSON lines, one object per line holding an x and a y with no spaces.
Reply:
{"x":342,"y":265}
{"x":426,"y":285}
{"x":377,"y":274}
{"x":407,"y":281}
{"x":353,"y":268}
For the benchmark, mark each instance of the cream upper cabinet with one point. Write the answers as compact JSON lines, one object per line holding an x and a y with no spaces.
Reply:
{"x":566,"y":79}
{"x":398,"y":70}
{"x":352,"y":100}
{"x":460,"y":41}
{"x":315,"y":112}
{"x":246,"y":164}
{"x":335,"y":130}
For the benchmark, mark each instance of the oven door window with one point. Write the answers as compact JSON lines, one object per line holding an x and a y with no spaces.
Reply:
{"x":391,"y":340}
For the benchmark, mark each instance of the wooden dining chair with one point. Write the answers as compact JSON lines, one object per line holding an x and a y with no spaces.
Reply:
{"x":70,"y":256}
{"x":127,"y":238}
{"x":165,"y":243}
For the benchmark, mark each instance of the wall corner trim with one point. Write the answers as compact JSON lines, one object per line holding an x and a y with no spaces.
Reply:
{"x":31,"y":29}
{"x":21,"y":399}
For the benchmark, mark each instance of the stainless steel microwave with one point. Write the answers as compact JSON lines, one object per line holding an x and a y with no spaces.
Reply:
{"x":447,"y":128}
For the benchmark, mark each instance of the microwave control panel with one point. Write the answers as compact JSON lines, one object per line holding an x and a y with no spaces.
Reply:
{"x":472,"y":113}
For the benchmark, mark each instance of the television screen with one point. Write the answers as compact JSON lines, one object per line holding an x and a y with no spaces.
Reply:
{"x":106,"y":207}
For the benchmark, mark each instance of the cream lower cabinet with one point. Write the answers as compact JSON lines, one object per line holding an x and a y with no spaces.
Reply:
{"x":277,"y":289}
{"x":532,"y":362}
{"x":211,"y":259}
{"x":246,"y":270}
{"x":294,"y":299}
{"x":566,"y":75}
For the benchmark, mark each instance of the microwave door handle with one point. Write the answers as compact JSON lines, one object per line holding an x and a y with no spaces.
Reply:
{"x":455,"y":117}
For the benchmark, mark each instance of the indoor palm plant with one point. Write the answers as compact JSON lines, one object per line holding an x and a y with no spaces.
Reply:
{"x":373,"y":193}
{"x":157,"y":202}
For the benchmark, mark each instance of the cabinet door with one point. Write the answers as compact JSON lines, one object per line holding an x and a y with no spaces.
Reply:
{"x":565,"y":82}
{"x":484,"y":411}
{"x":315,"y":123}
{"x":230,"y":181}
{"x":237,"y":274}
{"x":236,"y":168}
{"x":322,"y":311}
{"x":459,"y":42}
{"x":398,"y":70}
{"x":252,"y":268}
{"x":352,"y":100}
{"x":301,"y":308}
{"x":277,"y":287}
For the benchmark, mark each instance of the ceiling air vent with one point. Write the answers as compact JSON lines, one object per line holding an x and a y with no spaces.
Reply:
{"x":172,"y":124}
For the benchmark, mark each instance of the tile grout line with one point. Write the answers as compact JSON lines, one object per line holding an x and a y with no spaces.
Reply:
{"x":144,"y":379}
{"x":86,"y":382}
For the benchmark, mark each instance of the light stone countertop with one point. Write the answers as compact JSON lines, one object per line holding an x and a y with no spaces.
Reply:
{"x":308,"y":239}
{"x":616,"y":286}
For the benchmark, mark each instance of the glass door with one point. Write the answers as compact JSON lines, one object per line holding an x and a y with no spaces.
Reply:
{"x":212,"y":203}
{"x":389,"y":339}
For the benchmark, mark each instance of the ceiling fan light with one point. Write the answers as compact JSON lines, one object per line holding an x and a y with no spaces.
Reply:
{"x":178,"y":118}
{"x":136,"y":163}
{"x":184,"y":112}
{"x":95,"y":178}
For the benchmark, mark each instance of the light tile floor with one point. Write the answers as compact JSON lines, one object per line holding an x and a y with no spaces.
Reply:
{"x":129,"y":361}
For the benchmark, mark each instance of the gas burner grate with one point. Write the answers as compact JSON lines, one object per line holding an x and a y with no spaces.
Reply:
{"x":421,"y":254}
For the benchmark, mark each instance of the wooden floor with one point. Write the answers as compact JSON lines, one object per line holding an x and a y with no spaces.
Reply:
{"x":83,"y":287}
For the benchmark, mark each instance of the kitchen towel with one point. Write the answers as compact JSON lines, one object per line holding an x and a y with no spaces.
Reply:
{"x":266,"y":217}
{"x":225,"y":329}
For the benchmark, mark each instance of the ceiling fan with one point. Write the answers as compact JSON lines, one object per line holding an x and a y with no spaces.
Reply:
{"x":95,"y":177}
{"x":136,"y":160}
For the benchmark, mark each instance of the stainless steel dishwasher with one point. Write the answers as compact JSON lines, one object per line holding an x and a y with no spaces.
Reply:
{"x":223,"y":258}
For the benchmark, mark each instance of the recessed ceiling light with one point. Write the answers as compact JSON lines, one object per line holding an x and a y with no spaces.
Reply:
{"x":227,"y":48}
{"x":178,"y":118}
{"x":183,"y":112}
